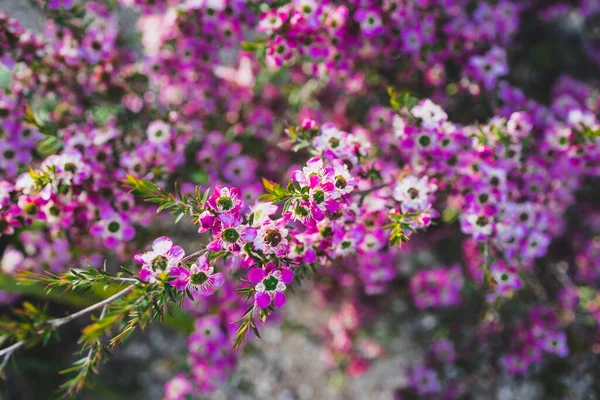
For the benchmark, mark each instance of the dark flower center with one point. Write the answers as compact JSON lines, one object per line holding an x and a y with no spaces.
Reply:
{"x":199,"y":278}
{"x":225,"y":203}
{"x":483,"y":198}
{"x":273,"y":237}
{"x":159,"y":263}
{"x":482,"y":221}
{"x":9,"y":154}
{"x":327,"y":232}
{"x":346,"y":244}
{"x":524,"y":217}
{"x":413,"y":193}
{"x":230,"y":235}
{"x":301,"y":211}
{"x":30,"y":209}
{"x":504,"y":277}
{"x":270,"y":283}
{"x":340,"y":182}
{"x":114,"y":226}
{"x":424,"y":140}
{"x":334,"y":142}
{"x":319,"y":196}
{"x":70,"y":167}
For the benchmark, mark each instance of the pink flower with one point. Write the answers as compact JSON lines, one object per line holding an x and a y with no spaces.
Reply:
{"x":225,"y":200}
{"x":230,"y":234}
{"x":200,"y":277}
{"x":271,"y":238}
{"x":31,"y":208}
{"x":177,"y":388}
{"x":163,"y":257}
{"x":270,"y":286}
{"x":113,"y":227}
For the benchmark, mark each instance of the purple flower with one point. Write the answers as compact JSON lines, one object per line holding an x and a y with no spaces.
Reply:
{"x":230,"y":234}
{"x":113,"y":227}
{"x":270,"y":286}
{"x":177,"y":388}
{"x":225,"y":200}
{"x":163,"y":257}
{"x":271,"y":238}
{"x":200,"y":277}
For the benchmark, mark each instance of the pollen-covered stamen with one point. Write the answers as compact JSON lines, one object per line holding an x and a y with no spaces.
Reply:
{"x":273,"y":237}
{"x":199,"y":278}
{"x":159,"y":263}
{"x":231,"y":235}
{"x":225,"y":203}
{"x":270,"y":283}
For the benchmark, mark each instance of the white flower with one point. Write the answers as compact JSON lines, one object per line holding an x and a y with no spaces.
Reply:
{"x":158,"y":132}
{"x":430,"y":113}
{"x":413,"y":193}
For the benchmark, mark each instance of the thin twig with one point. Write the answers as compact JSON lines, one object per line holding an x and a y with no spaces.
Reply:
{"x":7,"y":352}
{"x":61,"y":321}
{"x":102,"y":314}
{"x":197,"y":253}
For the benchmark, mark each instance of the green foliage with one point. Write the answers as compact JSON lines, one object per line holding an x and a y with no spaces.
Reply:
{"x":179,"y":205}
{"x":402,"y":100}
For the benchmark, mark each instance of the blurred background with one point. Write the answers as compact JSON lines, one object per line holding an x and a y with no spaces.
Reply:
{"x":289,"y":363}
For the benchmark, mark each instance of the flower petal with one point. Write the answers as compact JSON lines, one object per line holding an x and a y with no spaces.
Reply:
{"x":279,"y":299}
{"x":176,"y":253}
{"x":162,"y":245}
{"x":262,"y":300}
{"x":256,"y":275}
{"x":287,"y":276}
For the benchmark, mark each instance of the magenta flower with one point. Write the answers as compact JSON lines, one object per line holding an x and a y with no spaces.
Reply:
{"x":271,"y":238}
{"x":163,"y":257}
{"x":230,"y":234}
{"x":270,"y":286}
{"x":177,"y":388}
{"x":113,"y":227}
{"x":200,"y":277}
{"x":32,"y":208}
{"x":225,"y":200}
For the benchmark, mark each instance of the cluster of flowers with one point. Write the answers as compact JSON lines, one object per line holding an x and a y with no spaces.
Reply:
{"x":326,"y":36}
{"x":438,"y":287}
{"x":83,"y":110}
